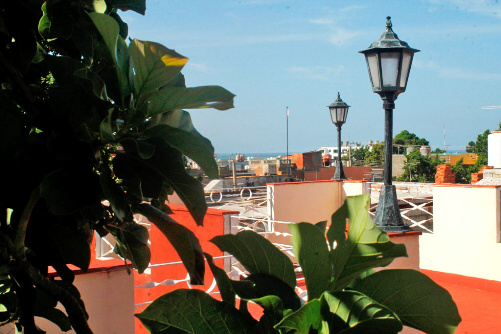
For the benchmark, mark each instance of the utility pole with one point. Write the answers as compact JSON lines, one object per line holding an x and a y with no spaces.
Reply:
{"x":287,"y":130}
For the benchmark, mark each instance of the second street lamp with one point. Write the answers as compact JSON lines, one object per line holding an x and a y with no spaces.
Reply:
{"x":389,"y":62}
{"x":339,"y":112}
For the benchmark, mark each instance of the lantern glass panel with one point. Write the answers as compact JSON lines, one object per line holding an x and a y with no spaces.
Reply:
{"x":406,"y":65}
{"x":341,"y":115}
{"x":389,"y":67}
{"x":374,"y":70}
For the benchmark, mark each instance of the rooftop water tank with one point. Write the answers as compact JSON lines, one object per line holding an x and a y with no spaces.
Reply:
{"x":494,"y":149}
{"x":425,"y":150}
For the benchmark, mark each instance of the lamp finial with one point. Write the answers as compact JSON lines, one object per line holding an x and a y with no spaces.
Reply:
{"x":388,"y":22}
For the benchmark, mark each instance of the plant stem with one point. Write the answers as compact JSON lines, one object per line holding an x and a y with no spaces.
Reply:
{"x":23,"y":224}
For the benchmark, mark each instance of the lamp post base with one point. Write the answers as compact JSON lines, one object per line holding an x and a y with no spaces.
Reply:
{"x":339,"y":173}
{"x":388,"y":216}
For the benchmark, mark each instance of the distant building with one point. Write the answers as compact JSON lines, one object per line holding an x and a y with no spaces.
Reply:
{"x":469,"y":159}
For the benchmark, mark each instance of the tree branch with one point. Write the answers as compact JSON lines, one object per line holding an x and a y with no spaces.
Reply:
{"x":23,"y":224}
{"x":70,"y":303}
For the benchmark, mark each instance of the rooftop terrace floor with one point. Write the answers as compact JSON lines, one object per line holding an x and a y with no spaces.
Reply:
{"x":478,"y":301}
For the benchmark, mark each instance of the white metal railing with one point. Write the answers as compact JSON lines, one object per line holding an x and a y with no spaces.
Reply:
{"x":235,"y":194}
{"x":235,"y":269}
{"x":418,"y":199}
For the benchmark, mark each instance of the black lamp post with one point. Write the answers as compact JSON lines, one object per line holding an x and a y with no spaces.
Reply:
{"x":389,"y":62}
{"x":339,"y":111}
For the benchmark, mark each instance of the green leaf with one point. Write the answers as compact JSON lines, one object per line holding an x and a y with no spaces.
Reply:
{"x":191,"y":144}
{"x":322,"y":226}
{"x":55,"y":21}
{"x":138,"y":6}
{"x":358,"y":313}
{"x":167,"y":164}
{"x":365,"y":245}
{"x":100,"y":6}
{"x":194,"y":312}
{"x":182,"y":239}
{"x":257,"y":255}
{"x":260,"y":285}
{"x":108,"y":29}
{"x":98,"y":85}
{"x":415,"y":298}
{"x":172,"y":98}
{"x":56,"y":316}
{"x":114,"y":194}
{"x":154,"y":65}
{"x":310,"y":248}
{"x":304,"y":320}
{"x":273,"y":313}
{"x":63,"y":69}
{"x":106,"y":128}
{"x":64,"y":193}
{"x":222,"y":280}
{"x":73,"y":246}
{"x":272,"y":305}
{"x":11,"y":129}
{"x":132,"y":243}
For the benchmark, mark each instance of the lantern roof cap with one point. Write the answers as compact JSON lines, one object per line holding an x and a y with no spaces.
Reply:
{"x":338,"y":103}
{"x":389,"y":40}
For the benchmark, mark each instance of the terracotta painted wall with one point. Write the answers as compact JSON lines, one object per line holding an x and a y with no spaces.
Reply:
{"x":216,"y":222}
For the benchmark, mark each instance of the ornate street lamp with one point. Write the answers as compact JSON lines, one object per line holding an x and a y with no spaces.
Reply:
{"x":339,"y":111}
{"x":389,"y":62}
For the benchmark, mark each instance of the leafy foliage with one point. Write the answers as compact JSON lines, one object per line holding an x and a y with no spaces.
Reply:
{"x":92,"y":131}
{"x":359,"y":155}
{"x":479,"y":147}
{"x":375,"y":157}
{"x":419,"y":168}
{"x":344,"y":296}
{"x":407,"y":138}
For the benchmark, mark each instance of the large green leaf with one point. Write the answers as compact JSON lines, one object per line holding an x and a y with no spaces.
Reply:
{"x":11,"y":128}
{"x":64,"y":193}
{"x":311,"y":251}
{"x":132,"y":244}
{"x":304,"y":321}
{"x":135,"y":5}
{"x":358,"y":314}
{"x":257,"y":255}
{"x":194,"y":312}
{"x":171,"y":98}
{"x":109,"y":29}
{"x":114,"y":194}
{"x":415,"y":298}
{"x":364,"y":247}
{"x":182,"y":239}
{"x":261,"y":285}
{"x":191,"y":144}
{"x":55,"y":21}
{"x":222,"y":280}
{"x":154,"y":66}
{"x":73,"y":246}
{"x":57,"y":317}
{"x":167,"y":163}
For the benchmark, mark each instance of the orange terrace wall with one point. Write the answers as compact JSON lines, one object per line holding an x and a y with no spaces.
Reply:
{"x":216,"y":222}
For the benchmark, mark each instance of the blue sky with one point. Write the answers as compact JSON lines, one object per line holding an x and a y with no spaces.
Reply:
{"x":273,"y":54}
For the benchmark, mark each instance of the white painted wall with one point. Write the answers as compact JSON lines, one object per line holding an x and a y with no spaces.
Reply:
{"x":466,"y":239}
